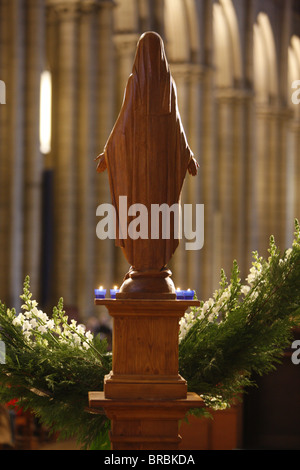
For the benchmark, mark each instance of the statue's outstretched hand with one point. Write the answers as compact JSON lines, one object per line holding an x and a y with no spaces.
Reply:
{"x":193,"y":167}
{"x":102,"y":163}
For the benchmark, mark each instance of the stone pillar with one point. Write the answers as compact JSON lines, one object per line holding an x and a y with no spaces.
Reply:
{"x":195,"y":196}
{"x":64,"y":149}
{"x":86,"y":152}
{"x":179,"y":263}
{"x":293,"y":178}
{"x":271,"y":132}
{"x":15,"y":148}
{"x":281,"y":204}
{"x":4,"y":153}
{"x":34,"y":161}
{"x":105,"y":99}
{"x":210,"y":275}
{"x":225,"y":178}
{"x":296,"y":134}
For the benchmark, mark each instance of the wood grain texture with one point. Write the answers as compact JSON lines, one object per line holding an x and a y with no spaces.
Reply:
{"x":147,"y":156}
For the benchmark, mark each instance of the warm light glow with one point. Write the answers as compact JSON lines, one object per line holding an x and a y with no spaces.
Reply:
{"x":101,"y":288}
{"x":265,"y":60}
{"x":45,"y":112}
{"x":178,"y":288}
{"x":115,"y":287}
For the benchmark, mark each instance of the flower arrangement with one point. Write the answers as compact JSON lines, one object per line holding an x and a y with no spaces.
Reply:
{"x":51,"y":364}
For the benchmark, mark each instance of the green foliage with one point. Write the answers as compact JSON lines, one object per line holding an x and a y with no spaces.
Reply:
{"x":52,"y":364}
{"x":50,"y":372}
{"x":244,"y":329}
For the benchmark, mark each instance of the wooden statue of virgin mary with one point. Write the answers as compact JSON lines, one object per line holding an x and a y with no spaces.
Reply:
{"x":147,"y":157}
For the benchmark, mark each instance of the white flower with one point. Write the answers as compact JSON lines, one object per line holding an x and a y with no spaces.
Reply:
{"x":245,"y":290}
{"x":42,"y":329}
{"x":57,"y":330}
{"x":189,"y":317}
{"x":50,"y":324}
{"x":33,"y":323}
{"x":211,"y":317}
{"x":80,"y":329}
{"x":26,"y":325}
{"x":225,"y":296}
{"x":76,"y":339}
{"x":201,"y":315}
{"x":255,"y":271}
{"x":288,"y":253}
{"x":27,"y":334}
{"x":17,"y":321}
{"x":89,"y":336}
{"x":208,"y":304}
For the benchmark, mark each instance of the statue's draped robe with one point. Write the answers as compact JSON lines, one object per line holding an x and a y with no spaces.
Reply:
{"x":147,"y":153}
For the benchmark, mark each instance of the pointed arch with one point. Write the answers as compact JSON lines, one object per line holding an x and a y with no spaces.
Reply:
{"x":227,"y":51}
{"x":194,"y":11}
{"x":265,"y":61}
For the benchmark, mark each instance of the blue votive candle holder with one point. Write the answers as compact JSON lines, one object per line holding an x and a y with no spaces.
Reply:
{"x":113,"y":292}
{"x":189,"y":294}
{"x":100,"y":293}
{"x":179,"y":294}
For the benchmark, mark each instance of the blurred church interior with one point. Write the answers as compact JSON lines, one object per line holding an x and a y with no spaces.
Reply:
{"x":235,"y":63}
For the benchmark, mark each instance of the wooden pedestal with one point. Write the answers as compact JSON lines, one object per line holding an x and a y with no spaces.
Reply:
{"x":144,"y":396}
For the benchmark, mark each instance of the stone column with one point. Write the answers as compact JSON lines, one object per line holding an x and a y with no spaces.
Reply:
{"x":4,"y":153}
{"x":281,"y":204}
{"x":179,"y":263}
{"x":210,"y":275}
{"x":64,"y":149}
{"x":271,"y":132}
{"x":296,"y":134}
{"x":293,"y":178}
{"x":262,"y":171}
{"x":225,"y":178}
{"x":34,"y":161}
{"x":105,"y":99}
{"x":87,"y":151}
{"x":195,"y":196}
{"x":15,"y":147}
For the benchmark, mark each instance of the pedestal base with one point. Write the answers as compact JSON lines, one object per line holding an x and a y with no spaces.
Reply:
{"x":144,"y":396}
{"x":145,"y":424}
{"x":139,"y":387}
